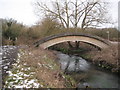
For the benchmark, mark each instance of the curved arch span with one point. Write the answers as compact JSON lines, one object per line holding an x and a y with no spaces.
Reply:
{"x":60,"y":38}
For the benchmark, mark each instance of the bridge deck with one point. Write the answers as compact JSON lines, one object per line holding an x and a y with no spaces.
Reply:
{"x":70,"y":34}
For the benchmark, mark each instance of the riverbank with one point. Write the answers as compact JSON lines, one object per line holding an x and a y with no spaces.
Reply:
{"x":107,"y":59}
{"x":37,"y":68}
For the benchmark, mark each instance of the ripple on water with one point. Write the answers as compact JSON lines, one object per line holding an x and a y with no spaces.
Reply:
{"x":95,"y":78}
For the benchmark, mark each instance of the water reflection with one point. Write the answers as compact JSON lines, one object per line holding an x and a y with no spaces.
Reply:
{"x":76,"y":63}
{"x":95,"y":78}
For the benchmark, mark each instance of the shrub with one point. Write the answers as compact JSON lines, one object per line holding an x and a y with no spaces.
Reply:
{"x":11,"y":29}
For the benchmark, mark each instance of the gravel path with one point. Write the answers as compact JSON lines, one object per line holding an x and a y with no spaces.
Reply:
{"x":9,"y":55}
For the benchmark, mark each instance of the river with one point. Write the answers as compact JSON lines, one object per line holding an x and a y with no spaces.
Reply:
{"x":95,"y":77}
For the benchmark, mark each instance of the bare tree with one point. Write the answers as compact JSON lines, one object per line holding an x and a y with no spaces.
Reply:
{"x":76,"y":13}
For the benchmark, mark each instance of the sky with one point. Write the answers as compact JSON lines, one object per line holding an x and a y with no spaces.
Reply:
{"x":23,"y":10}
{"x":20,"y":10}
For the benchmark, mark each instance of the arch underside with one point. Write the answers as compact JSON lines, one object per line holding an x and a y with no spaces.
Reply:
{"x":84,"y":39}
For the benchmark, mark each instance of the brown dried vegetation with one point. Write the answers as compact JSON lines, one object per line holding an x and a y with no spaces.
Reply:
{"x":107,"y":56}
{"x":44,"y":64}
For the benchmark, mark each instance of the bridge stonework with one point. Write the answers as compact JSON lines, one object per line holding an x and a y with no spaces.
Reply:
{"x":59,"y":38}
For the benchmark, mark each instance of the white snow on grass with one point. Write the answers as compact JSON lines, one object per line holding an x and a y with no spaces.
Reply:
{"x":18,"y":78}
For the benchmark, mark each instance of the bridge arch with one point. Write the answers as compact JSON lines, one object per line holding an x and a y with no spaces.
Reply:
{"x":60,"y":38}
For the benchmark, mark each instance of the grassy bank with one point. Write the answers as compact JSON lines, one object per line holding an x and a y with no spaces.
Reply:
{"x":37,"y":68}
{"x":106,"y":59}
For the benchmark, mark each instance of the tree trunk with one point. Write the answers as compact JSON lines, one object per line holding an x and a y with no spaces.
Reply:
{"x":70,"y":45}
{"x":77,"y":44}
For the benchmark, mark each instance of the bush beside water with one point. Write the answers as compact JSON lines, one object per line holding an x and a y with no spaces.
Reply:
{"x":17,"y":33}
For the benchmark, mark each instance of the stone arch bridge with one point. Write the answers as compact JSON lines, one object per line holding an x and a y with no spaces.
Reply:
{"x":64,"y":37}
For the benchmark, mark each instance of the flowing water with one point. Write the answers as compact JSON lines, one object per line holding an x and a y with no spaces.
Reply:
{"x":95,"y":78}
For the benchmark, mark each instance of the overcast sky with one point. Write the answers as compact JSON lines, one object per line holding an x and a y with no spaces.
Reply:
{"x":23,"y":11}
